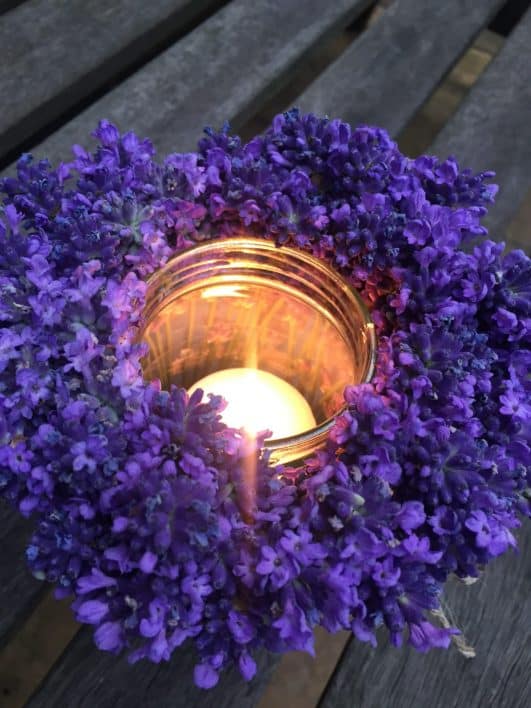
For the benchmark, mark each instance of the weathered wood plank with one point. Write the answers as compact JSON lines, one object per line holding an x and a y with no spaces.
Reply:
{"x":495,"y":615}
{"x":492,"y":128}
{"x":85,"y":677}
{"x":19,"y":591}
{"x":55,"y":54}
{"x":222,"y":71}
{"x":386,"y":75}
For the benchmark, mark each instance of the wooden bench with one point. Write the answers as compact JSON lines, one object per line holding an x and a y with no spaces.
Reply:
{"x":165,"y":69}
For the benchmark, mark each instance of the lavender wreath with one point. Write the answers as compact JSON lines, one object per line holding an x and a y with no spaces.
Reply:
{"x":134,"y":489}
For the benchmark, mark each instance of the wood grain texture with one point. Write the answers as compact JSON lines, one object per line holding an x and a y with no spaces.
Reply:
{"x":85,"y":677}
{"x":54,"y":54}
{"x":492,"y":128}
{"x":495,"y":615}
{"x":223,"y":70}
{"x":387,"y":74}
{"x":19,"y":591}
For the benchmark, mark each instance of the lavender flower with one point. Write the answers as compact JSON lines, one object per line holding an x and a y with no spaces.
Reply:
{"x":135,"y":490}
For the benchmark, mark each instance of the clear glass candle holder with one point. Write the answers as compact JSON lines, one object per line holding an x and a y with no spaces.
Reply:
{"x":244,"y":302}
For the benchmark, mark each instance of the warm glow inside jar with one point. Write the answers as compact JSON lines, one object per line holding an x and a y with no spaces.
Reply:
{"x":275,"y":327}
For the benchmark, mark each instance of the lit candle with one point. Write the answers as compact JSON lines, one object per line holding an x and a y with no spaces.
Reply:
{"x":264,"y":309}
{"x":258,"y":400}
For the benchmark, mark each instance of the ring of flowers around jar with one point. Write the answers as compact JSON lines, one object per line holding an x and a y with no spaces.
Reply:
{"x":135,"y":490}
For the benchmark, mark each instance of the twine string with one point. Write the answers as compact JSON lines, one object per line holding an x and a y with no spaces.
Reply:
{"x":445,"y":616}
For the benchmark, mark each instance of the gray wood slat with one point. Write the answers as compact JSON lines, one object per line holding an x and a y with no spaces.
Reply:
{"x":221,"y":71}
{"x":56,"y":53}
{"x":492,"y":128}
{"x":495,"y":614}
{"x":385,"y":76}
{"x":86,"y":677}
{"x":19,"y":591}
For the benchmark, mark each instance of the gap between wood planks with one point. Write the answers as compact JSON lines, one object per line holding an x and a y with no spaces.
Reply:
{"x":422,"y":129}
{"x":299,"y":680}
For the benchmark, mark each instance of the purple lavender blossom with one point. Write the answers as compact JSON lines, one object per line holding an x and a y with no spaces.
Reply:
{"x":134,"y":490}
